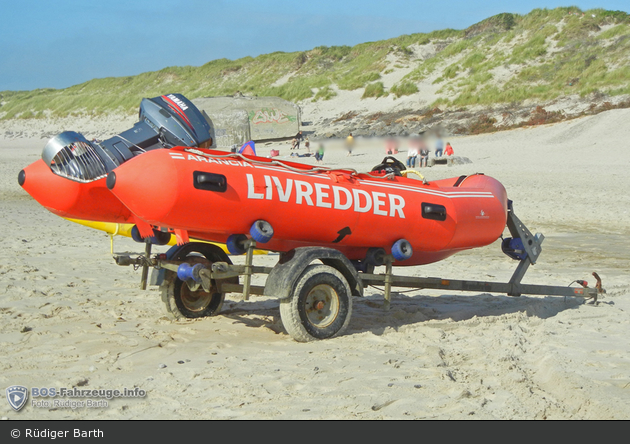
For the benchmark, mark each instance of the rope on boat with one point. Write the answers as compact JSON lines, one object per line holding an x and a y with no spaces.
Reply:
{"x":406,"y":172}
{"x":312,"y":170}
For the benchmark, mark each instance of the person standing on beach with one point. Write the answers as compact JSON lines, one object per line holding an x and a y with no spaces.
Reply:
{"x":349,"y":144}
{"x":307,"y":144}
{"x":298,"y":138}
{"x":439,"y":146}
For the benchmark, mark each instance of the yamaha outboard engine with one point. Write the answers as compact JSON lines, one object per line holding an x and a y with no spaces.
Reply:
{"x":165,"y":121}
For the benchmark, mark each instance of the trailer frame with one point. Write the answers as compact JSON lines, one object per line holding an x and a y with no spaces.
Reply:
{"x":223,"y":277}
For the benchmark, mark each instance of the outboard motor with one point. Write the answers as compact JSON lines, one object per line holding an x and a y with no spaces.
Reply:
{"x":165,"y":121}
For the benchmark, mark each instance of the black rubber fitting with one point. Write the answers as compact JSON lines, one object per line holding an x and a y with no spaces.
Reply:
{"x":111,"y":180}
{"x":22,"y":178}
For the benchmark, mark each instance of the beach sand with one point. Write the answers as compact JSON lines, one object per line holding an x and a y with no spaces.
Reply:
{"x":70,"y":317}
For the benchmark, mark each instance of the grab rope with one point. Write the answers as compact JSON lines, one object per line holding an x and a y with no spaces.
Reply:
{"x":312,"y":170}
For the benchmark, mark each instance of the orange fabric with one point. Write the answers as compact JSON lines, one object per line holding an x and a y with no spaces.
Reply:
{"x":311,"y":209}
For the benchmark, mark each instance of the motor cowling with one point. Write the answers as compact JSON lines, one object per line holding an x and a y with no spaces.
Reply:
{"x":164,"y":122}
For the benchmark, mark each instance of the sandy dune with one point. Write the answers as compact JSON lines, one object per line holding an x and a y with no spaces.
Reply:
{"x":70,"y":317}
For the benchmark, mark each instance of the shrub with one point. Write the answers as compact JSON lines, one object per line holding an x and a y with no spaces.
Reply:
{"x":496,"y":23}
{"x":450,"y":71}
{"x":374,"y":90}
{"x":404,"y":89}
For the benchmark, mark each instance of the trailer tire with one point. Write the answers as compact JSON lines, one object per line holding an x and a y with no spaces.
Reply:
{"x":183,"y":303}
{"x":320,"y":305}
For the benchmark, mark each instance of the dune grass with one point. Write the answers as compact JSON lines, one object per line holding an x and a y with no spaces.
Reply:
{"x":552,"y":52}
{"x":375,"y":90}
{"x":404,"y":88}
{"x":325,"y":93}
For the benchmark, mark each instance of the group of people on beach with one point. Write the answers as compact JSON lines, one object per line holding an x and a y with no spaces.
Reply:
{"x":295,"y":145}
{"x":417,"y":153}
{"x":419,"y":148}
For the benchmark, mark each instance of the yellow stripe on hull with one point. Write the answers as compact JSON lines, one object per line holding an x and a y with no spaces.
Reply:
{"x":125,"y":230}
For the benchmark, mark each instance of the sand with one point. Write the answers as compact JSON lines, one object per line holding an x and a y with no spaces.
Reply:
{"x":70,"y":317}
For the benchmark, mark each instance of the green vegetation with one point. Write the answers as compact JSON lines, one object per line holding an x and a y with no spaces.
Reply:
{"x":325,"y":93}
{"x":374,"y":90}
{"x":533,"y":48}
{"x":451,"y":71}
{"x":473,"y":59}
{"x":506,"y":58}
{"x":404,"y":89}
{"x":494,"y":24}
{"x":615,"y":31}
{"x":358,"y":81}
{"x":549,"y":59}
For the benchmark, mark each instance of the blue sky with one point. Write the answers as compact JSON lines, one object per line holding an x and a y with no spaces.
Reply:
{"x":61,"y":43}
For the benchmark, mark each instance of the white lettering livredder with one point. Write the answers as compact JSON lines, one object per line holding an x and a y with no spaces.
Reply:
{"x":396,"y":204}
{"x":251,"y":192}
{"x":378,"y":203}
{"x":320,"y":195}
{"x":283,"y":194}
{"x":357,"y":201}
{"x":337,"y":198}
{"x":303,"y":190}
{"x":268,"y":188}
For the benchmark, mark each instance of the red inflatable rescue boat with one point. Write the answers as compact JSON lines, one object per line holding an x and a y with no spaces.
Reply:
{"x":213,"y":195}
{"x":332,"y":226}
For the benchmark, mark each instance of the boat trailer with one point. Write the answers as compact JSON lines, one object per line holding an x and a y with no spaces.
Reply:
{"x":316,"y":299}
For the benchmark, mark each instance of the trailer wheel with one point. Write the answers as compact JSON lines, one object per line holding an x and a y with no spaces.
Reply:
{"x":320,"y":305}
{"x":180,"y":301}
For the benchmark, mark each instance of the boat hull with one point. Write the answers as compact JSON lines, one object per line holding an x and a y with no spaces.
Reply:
{"x":71,"y":199}
{"x":212,"y":196}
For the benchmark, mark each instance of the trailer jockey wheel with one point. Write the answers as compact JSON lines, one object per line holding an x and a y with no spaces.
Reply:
{"x":320,"y":305}
{"x":180,"y":300}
